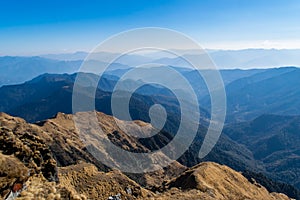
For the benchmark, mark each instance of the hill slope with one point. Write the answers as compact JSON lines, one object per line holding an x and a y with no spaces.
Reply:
{"x":79,"y":178}
{"x":220,"y":182}
{"x":273,"y":140}
{"x":275,"y":91}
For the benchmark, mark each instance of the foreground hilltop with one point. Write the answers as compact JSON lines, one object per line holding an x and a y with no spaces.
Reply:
{"x":48,"y":160}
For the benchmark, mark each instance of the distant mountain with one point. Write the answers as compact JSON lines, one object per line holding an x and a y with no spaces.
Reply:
{"x":274,"y":141}
{"x":35,"y":98}
{"x":128,"y":59}
{"x":275,"y":91}
{"x":79,"y":55}
{"x":230,"y":75}
{"x":224,"y":59}
{"x":242,"y":59}
{"x":15,"y":70}
{"x":256,"y":58}
{"x":194,"y":77}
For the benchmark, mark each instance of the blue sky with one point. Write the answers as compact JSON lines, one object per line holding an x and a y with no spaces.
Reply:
{"x":36,"y":27}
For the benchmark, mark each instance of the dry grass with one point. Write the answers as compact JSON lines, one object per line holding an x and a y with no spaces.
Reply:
{"x":82,"y":177}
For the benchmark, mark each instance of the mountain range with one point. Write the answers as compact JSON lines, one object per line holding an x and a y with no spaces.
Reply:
{"x":224,"y":59}
{"x":274,"y":91}
{"x":260,"y":137}
{"x":48,"y":94}
{"x":16,"y":69}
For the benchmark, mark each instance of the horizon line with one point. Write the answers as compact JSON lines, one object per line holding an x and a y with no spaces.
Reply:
{"x":87,"y":52}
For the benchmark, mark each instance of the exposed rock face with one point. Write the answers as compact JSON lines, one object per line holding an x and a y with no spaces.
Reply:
{"x":49,"y":161}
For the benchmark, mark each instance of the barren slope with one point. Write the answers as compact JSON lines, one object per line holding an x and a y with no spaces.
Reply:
{"x":52,"y":161}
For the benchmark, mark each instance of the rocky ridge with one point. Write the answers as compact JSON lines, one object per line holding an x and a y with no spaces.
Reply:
{"x":48,"y":160}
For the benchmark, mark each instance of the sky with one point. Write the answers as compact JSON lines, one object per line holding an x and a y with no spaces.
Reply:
{"x":34,"y":27}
